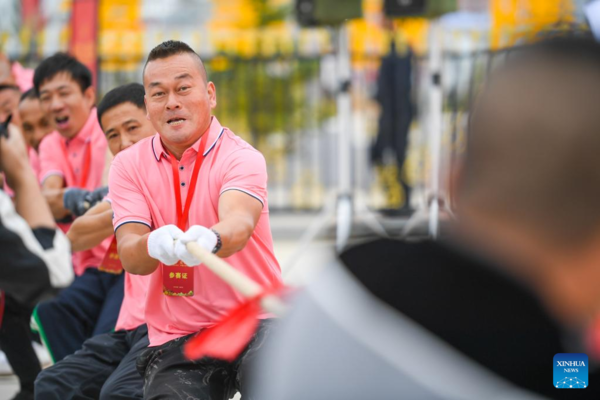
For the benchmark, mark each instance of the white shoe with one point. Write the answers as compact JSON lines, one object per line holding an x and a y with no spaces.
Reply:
{"x":5,"y":368}
{"x":42,"y":354}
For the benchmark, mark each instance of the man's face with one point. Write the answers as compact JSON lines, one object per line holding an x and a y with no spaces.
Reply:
{"x":178,"y":99}
{"x":67,"y":106}
{"x":35,"y":123}
{"x":9,"y":102}
{"x":124,"y":125}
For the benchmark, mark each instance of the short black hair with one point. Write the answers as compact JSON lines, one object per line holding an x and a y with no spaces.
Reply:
{"x":131,"y":93}
{"x":171,"y":48}
{"x":28,"y":95}
{"x":9,"y":87}
{"x":580,"y":47}
{"x":62,"y":62}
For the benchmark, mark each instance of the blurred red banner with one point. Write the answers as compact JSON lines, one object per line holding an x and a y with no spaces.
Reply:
{"x":84,"y":34}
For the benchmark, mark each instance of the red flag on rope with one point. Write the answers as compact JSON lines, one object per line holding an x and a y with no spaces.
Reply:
{"x":229,"y":337}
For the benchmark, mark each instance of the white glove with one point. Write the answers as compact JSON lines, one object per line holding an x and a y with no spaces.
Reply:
{"x":161,"y":244}
{"x":199,"y":234}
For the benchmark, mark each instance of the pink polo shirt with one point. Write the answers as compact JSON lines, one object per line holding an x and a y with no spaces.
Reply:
{"x":141,"y":190}
{"x":134,"y":302}
{"x":53,"y":162}
{"x":131,"y":314}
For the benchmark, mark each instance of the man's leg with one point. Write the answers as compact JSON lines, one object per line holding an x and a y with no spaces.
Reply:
{"x":169,"y":375}
{"x":15,"y":340}
{"x":68,"y":320}
{"x":126,"y":382}
{"x":107,"y":319}
{"x":81,"y":375}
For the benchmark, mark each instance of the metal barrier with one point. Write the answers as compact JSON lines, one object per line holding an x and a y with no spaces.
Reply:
{"x":285,"y":106}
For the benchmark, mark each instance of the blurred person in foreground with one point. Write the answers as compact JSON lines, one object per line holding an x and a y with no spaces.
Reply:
{"x":36,"y":259}
{"x":482,"y":314}
{"x":35,"y":125}
{"x":105,"y":366}
{"x":28,"y":116}
{"x":9,"y":103}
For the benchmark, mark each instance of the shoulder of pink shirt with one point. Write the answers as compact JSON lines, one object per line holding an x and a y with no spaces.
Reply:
{"x":50,"y":139}
{"x":142,"y":150}
{"x":23,"y":76}
{"x":91,"y":128}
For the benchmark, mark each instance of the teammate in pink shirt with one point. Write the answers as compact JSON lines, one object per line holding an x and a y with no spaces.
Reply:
{"x":35,"y":123}
{"x":73,"y":156}
{"x":105,"y":366}
{"x":11,"y":101}
{"x":35,"y":126}
{"x":193,"y":181}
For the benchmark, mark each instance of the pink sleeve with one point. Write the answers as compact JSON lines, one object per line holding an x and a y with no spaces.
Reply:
{"x":48,"y":157}
{"x":246,"y":171}
{"x":127,"y":199}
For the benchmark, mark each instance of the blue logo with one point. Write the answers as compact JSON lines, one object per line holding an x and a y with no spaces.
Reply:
{"x":570,"y":371}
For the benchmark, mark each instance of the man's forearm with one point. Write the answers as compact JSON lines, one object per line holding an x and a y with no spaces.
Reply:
{"x":133,"y":251}
{"x":88,"y":231}
{"x":54,"y":198}
{"x":29,"y":201}
{"x":234,"y":233}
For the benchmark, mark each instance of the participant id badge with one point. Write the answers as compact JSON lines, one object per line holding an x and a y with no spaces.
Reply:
{"x":178,"y":280}
{"x":111,"y":262}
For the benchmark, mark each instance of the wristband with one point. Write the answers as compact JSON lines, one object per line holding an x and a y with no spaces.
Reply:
{"x":219,"y":242}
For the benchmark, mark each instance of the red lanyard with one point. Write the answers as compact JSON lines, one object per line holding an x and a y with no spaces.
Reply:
{"x":183,"y":215}
{"x":87,"y":161}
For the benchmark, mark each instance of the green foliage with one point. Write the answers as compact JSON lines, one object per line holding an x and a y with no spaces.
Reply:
{"x":263,"y":96}
{"x":267,"y":13}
